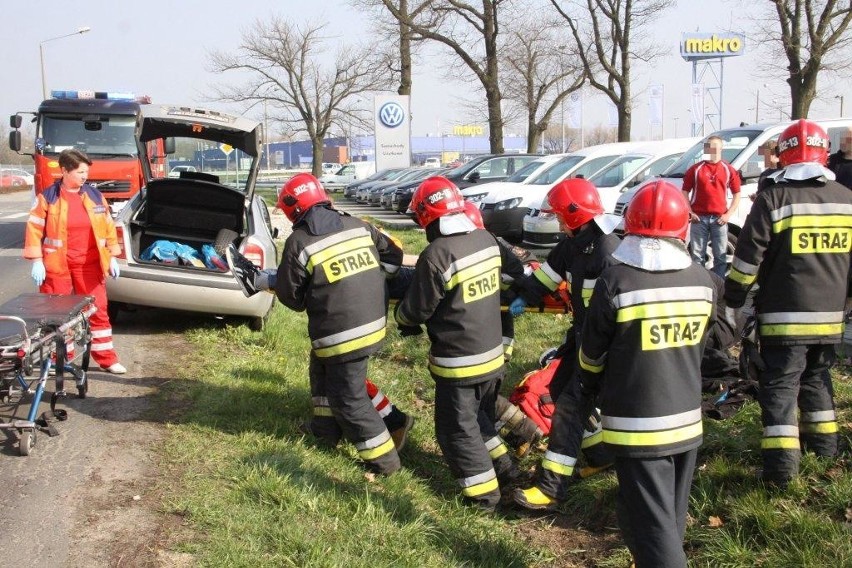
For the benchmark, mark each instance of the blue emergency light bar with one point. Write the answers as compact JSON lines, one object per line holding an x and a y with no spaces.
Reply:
{"x":102,"y":95}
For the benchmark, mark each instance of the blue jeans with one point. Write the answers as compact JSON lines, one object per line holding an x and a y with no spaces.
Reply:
{"x":707,"y":228}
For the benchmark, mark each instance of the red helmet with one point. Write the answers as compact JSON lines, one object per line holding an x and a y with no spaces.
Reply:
{"x":658,"y":209}
{"x":300,"y":193}
{"x":435,"y":197}
{"x":474,"y":214}
{"x":803,"y":141}
{"x":575,"y":201}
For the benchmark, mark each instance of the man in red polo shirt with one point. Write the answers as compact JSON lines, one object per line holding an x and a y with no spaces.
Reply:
{"x":706,"y":185}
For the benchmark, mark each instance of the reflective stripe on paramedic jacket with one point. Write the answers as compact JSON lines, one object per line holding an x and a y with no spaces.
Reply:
{"x":796,"y":245}
{"x":337,"y":278}
{"x":46,"y":234}
{"x":456,"y":292}
{"x":641,"y":350}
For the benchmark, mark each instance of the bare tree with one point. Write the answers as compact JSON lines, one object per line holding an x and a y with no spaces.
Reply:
{"x":472,"y":34}
{"x":282,"y":62}
{"x":813,"y":37}
{"x":537,"y":77}
{"x":609,"y":37}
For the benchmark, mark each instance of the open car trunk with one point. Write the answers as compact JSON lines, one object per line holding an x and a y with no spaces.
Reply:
{"x":186,"y":211}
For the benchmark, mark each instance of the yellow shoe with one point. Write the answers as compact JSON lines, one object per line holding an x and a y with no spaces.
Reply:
{"x":533,"y":499}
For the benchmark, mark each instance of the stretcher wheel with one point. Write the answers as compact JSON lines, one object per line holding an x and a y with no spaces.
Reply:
{"x":28,"y":441}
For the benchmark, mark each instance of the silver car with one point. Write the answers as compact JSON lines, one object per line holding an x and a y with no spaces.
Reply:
{"x":204,"y":210}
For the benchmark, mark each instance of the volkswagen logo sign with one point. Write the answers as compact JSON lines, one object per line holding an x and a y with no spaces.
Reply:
{"x":392,"y":114}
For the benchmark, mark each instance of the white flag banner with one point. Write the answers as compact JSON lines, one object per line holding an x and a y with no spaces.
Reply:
{"x":655,"y":104}
{"x":575,"y":110}
{"x":697,"y":103}
{"x":612,"y":112}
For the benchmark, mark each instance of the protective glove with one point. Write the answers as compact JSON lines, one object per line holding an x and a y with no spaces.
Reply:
{"x":114,"y":271}
{"x":517,"y":306}
{"x":38,"y":273}
{"x":409,"y":330}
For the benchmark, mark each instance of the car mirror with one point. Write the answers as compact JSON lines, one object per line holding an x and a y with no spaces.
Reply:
{"x":275,"y":233}
{"x":15,"y":140}
{"x":169,"y":145}
{"x":473,"y":177}
{"x":15,"y":121}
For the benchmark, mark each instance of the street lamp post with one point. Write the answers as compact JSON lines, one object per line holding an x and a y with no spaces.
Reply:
{"x":41,"y":55}
{"x":841,"y":103}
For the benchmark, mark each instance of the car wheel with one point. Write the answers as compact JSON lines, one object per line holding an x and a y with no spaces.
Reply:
{"x":224,"y":238}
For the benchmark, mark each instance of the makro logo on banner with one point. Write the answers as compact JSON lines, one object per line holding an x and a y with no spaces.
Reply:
{"x":392,"y":114}
{"x":393,"y":131}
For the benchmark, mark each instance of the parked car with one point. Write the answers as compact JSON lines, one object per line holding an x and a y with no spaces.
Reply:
{"x":198,"y":211}
{"x":402,"y":196}
{"x":432,"y":163}
{"x":9,"y":180}
{"x":362,"y":195}
{"x":26,"y":176}
{"x":330,"y":168}
{"x":351,"y":189}
{"x":177,"y":170}
{"x":386,"y":200}
{"x":352,"y":171}
{"x":646,"y":160}
{"x":488,"y":168}
{"x":476,"y":193}
{"x":581,"y":163}
{"x":374,"y":197}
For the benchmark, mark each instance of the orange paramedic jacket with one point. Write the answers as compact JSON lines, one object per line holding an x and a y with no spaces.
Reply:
{"x":47,"y":229}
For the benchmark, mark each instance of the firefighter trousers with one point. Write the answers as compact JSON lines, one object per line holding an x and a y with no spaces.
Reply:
{"x":651,"y":505}
{"x":342,"y":406}
{"x":568,"y":435}
{"x":464,"y":424}
{"x":796,"y":377}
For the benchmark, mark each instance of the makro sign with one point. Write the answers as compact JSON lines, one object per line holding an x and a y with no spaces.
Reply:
{"x":468,"y":130}
{"x":711,"y":45}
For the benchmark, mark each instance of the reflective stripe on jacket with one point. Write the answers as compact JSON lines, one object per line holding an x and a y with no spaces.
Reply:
{"x":47,"y":229}
{"x":641,"y":350}
{"x":796,"y":245}
{"x":456,"y":293}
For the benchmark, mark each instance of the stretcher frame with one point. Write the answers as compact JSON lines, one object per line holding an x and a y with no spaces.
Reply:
{"x":36,"y":328}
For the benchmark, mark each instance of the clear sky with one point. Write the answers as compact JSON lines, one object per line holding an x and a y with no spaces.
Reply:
{"x":161,"y":48}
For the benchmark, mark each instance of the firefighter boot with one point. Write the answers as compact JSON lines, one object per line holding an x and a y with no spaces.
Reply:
{"x":516,"y":428}
{"x":534,"y":499}
{"x":400,"y":435}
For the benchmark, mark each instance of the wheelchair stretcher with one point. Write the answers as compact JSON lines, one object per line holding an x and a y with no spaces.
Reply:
{"x":35,"y":333}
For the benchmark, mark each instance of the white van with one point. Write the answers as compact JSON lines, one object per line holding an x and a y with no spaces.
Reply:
{"x":347,"y":174}
{"x":740,"y":148}
{"x":509,"y":210}
{"x":649,"y":159}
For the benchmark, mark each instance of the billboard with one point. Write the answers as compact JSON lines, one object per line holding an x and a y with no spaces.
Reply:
{"x":696,"y":45}
{"x":393,"y":131}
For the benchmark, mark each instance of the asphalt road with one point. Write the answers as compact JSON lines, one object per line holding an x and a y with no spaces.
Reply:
{"x":14,"y":210}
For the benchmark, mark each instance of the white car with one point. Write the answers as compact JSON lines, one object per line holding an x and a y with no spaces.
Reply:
{"x":432,"y":163}
{"x":647,"y":160}
{"x":177,"y":170}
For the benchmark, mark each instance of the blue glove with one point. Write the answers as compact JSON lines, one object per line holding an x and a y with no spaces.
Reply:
{"x":517,"y":306}
{"x":113,"y":268}
{"x":38,"y":272}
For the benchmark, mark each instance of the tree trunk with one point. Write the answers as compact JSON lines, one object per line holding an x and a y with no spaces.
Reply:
{"x":317,"y":146}
{"x":404,"y":53}
{"x":534,"y":132}
{"x":802,"y":93}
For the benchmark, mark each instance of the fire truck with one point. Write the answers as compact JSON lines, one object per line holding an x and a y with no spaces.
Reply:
{"x":101,"y":124}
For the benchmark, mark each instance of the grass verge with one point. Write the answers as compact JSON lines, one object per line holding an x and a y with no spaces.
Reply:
{"x":256,"y":492}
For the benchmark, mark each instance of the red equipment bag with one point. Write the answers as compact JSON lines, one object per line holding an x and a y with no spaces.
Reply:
{"x":532,"y":395}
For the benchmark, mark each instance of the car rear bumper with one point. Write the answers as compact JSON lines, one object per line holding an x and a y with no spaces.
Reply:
{"x":185,"y":289}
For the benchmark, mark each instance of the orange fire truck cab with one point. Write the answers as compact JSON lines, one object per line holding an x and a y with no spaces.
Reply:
{"x":102,"y":125}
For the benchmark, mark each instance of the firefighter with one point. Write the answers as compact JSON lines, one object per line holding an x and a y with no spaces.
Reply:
{"x":579,"y":259}
{"x":455,"y":291}
{"x":640,"y":360}
{"x":333,"y":266}
{"x":795,"y":245}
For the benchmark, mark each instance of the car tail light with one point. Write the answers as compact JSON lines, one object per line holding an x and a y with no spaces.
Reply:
{"x":119,"y":231}
{"x":254,"y":253}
